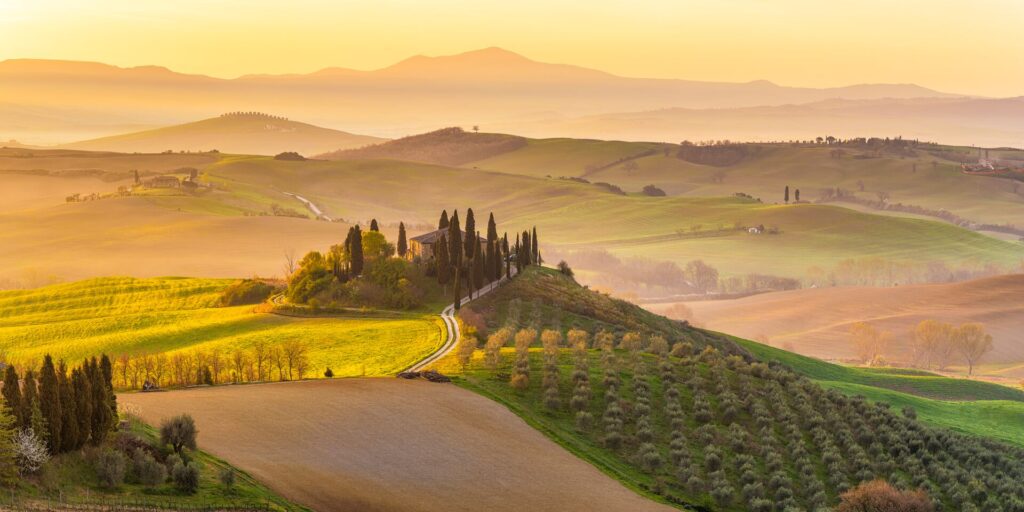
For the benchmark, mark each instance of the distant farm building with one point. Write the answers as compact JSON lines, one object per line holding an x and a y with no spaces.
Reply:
{"x":422,"y":246}
{"x":162,"y":182}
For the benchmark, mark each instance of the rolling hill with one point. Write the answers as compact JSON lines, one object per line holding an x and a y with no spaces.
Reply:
{"x":816,"y":322}
{"x":491,"y":87}
{"x":248,"y":133}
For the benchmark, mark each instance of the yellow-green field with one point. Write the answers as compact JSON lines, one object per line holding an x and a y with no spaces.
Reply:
{"x":167,"y":315}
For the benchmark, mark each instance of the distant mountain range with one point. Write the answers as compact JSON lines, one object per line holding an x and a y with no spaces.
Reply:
{"x":249,"y":133}
{"x":68,"y":100}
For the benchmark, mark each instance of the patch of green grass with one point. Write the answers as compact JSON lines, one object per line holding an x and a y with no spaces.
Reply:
{"x":173,"y":315}
{"x":913,"y":382}
{"x":71,"y":478}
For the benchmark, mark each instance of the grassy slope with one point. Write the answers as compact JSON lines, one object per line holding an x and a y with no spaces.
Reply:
{"x":126,"y":315}
{"x":76,"y":481}
{"x":580,"y":214}
{"x":978,"y":198}
{"x":968,"y":406}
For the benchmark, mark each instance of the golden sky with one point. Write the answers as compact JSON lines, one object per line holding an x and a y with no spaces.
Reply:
{"x":965,"y":46}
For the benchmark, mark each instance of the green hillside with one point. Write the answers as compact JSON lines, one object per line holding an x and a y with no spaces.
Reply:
{"x":922,"y":179}
{"x":576,"y":215}
{"x":182,"y":316}
{"x":697,"y":428}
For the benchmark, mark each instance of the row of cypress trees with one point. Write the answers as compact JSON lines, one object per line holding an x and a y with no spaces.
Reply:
{"x":65,"y":408}
{"x":460,"y":259}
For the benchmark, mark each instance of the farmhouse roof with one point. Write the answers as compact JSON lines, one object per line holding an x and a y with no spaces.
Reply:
{"x":434,"y":236}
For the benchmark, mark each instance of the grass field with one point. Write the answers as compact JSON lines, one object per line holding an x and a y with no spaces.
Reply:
{"x":982,"y":199}
{"x":167,"y":315}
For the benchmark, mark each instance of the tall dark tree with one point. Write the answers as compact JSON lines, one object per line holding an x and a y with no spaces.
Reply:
{"x":84,"y":398}
{"x":787,"y":194}
{"x":443,"y":262}
{"x":796,"y":195}
{"x":478,"y":272}
{"x":455,"y":241}
{"x":29,"y":398}
{"x":443,"y":223}
{"x":356,"y":251}
{"x":505,"y":254}
{"x":373,"y":225}
{"x":49,"y":403}
{"x":458,"y":287}
{"x":106,"y":417}
{"x":12,"y":395}
{"x":472,"y":245}
{"x":525,"y":251}
{"x":519,"y":254}
{"x":534,"y":248}
{"x":68,"y":411}
{"x":403,"y":244}
{"x":492,"y":268}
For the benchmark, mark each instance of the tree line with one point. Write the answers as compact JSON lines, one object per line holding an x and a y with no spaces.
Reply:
{"x":261,"y":362}
{"x":54,"y":410}
{"x":933,"y":344}
{"x":459,"y":258}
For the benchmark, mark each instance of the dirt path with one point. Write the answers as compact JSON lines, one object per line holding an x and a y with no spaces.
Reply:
{"x":390,"y":445}
{"x":454,"y":335}
{"x":312,"y":207}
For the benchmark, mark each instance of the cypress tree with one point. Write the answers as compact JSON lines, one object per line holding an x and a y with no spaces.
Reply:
{"x":797,"y":195}
{"x":472,"y":245}
{"x":84,"y":397}
{"x":12,"y":396}
{"x":403,"y":244}
{"x":458,"y":288}
{"x":357,"y":251}
{"x":38,"y":423}
{"x":493,"y":270}
{"x":68,"y":411}
{"x":444,"y":265}
{"x":478,"y":272}
{"x":373,"y":225}
{"x":455,"y":241}
{"x":534,"y":250}
{"x":443,"y":223}
{"x":29,"y":399}
{"x":8,"y":453}
{"x":104,"y":401}
{"x":787,"y":194}
{"x":49,"y":403}
{"x":519,"y":255}
{"x":504,"y":255}
{"x":527,"y":257}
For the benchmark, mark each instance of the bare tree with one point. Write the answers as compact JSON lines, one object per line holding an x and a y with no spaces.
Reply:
{"x":868,"y":342}
{"x":972,"y":342}
{"x":239,"y":361}
{"x":260,"y":356}
{"x":278,"y":358}
{"x":289,"y":263}
{"x":216,"y":362}
{"x":159,"y":367}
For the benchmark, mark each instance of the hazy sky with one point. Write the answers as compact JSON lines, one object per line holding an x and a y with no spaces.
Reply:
{"x":974,"y":46}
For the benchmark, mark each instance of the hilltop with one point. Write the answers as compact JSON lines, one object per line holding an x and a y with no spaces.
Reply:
{"x":448,"y":146}
{"x":241,"y":132}
{"x":491,"y":87}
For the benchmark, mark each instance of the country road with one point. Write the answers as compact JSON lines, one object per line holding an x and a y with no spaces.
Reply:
{"x":452,"y":325}
{"x":312,"y":207}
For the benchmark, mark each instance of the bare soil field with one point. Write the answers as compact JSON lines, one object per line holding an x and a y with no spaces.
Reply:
{"x":816,"y":322}
{"x":389,"y":445}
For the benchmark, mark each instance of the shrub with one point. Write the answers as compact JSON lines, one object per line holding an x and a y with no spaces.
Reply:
{"x":227,"y":478}
{"x":186,"y":477}
{"x":328,"y":373}
{"x":179,"y":432}
{"x":565,"y":269}
{"x":246,"y":291}
{"x":879,"y":496}
{"x":149,"y":472}
{"x":520,"y":382}
{"x":110,"y":468}
{"x":583,"y":420}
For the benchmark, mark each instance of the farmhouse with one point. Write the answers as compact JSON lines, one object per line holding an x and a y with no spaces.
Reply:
{"x":422,"y":246}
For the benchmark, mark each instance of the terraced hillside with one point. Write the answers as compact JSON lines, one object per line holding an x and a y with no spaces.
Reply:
{"x":183,"y":317}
